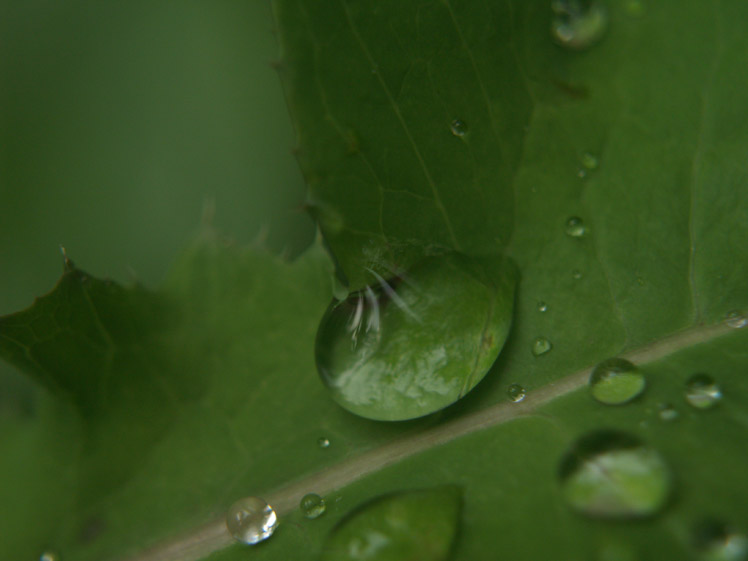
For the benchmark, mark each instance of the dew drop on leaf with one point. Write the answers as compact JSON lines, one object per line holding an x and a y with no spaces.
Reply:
{"x":610,"y":474}
{"x":251,"y":520}
{"x":589,"y":161}
{"x":542,"y":306}
{"x":387,"y":351}
{"x":735,"y":319}
{"x":516,"y":393}
{"x":540,"y":346}
{"x":323,"y":442}
{"x":616,"y":381}
{"x":312,"y":505}
{"x":576,"y":274}
{"x":716,"y":541}
{"x":578,"y":24}
{"x":49,"y":556}
{"x":402,"y":526}
{"x":667,"y":412}
{"x":575,"y":227}
{"x":702,"y":392}
{"x":458,"y":128}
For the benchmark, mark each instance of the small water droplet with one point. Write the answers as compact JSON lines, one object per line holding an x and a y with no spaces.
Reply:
{"x":323,"y":442}
{"x":735,"y":319}
{"x":516,"y":393}
{"x":589,"y":161}
{"x":576,"y":274}
{"x":458,"y":128}
{"x":581,"y":173}
{"x":49,"y":556}
{"x":578,"y":24}
{"x":540,"y":346}
{"x":702,"y":392}
{"x":575,"y":227}
{"x":616,"y":381}
{"x":667,"y":412}
{"x":312,"y":505}
{"x":716,"y":541}
{"x":609,"y":474}
{"x":542,"y":306}
{"x":251,"y":520}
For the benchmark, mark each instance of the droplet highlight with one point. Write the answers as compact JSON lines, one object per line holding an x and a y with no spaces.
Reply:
{"x":312,"y":506}
{"x":251,"y":520}
{"x":323,"y":442}
{"x":575,"y":227}
{"x":610,"y":474}
{"x":578,"y":24}
{"x":541,"y":346}
{"x":716,"y":541}
{"x":458,"y":128}
{"x":736,"y":319}
{"x":616,"y":381}
{"x":542,"y":307}
{"x":516,"y":393}
{"x":702,"y":392}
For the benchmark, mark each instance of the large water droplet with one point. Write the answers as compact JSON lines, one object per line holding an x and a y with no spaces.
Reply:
{"x":312,"y":505}
{"x":736,"y":319}
{"x":575,"y":227}
{"x":540,"y":346}
{"x":578,"y":24}
{"x":458,"y":128}
{"x":716,"y":541}
{"x":609,"y":474}
{"x":323,"y":442}
{"x":616,"y":381}
{"x":702,"y":392}
{"x":516,"y":393}
{"x":401,"y":526}
{"x":251,"y":520}
{"x":387,"y":352}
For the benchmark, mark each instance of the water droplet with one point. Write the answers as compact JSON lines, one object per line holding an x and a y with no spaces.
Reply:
{"x":616,"y":381}
{"x":458,"y":128}
{"x":667,"y":412}
{"x":516,"y":393}
{"x":635,"y":8}
{"x":578,"y":24}
{"x":576,"y":274}
{"x":609,"y":474}
{"x":540,"y":346}
{"x":323,"y":442}
{"x":575,"y":227}
{"x":735,"y":319}
{"x":542,"y":306}
{"x":420,"y":524}
{"x":49,"y":556}
{"x":702,"y":392}
{"x":312,"y":505}
{"x":387,"y":353}
{"x":581,"y":173}
{"x":589,"y":161}
{"x":716,"y":541}
{"x":251,"y":520}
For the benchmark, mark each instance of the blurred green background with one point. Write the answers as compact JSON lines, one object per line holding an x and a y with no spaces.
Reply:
{"x":120,"y":120}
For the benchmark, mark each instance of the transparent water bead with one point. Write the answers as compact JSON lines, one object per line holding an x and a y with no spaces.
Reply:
{"x":312,"y":505}
{"x":616,"y":381}
{"x":458,"y":128}
{"x":323,"y":442}
{"x":251,"y":520}
{"x":610,"y":474}
{"x":736,"y":320}
{"x":575,"y":227}
{"x":387,"y":351}
{"x":516,"y":393}
{"x":702,"y":392}
{"x":716,"y":541}
{"x":542,"y":306}
{"x":540,"y":346}
{"x":578,"y":24}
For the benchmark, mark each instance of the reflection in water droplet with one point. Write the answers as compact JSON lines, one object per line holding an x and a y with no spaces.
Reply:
{"x":576,"y":274}
{"x":251,"y":520}
{"x":323,"y":442}
{"x":667,"y":412}
{"x":616,"y":381}
{"x":608,"y":474}
{"x":716,"y":541}
{"x":542,"y":306}
{"x":49,"y":556}
{"x":516,"y":393}
{"x":578,"y":24}
{"x":575,"y":227}
{"x":702,"y":392}
{"x":589,"y":161}
{"x":312,"y":505}
{"x":540,"y":346}
{"x":458,"y":128}
{"x":735,"y":319}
